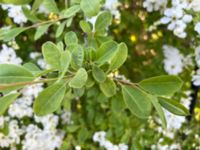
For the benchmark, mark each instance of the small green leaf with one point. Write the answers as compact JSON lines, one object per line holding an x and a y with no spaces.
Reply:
{"x":10,"y":34}
{"x":108,"y":87}
{"x":32,"y":68}
{"x":159,"y":109}
{"x":12,"y":74}
{"x":71,"y":38}
{"x":51,"y":6}
{"x":60,"y":29}
{"x":65,"y":60}
{"x":103,"y":21}
{"x":119,"y":57}
{"x":137,"y":101}
{"x":85,"y":26}
{"x":173,"y":106}
{"x":90,"y":7}
{"x":70,"y":12}
{"x":98,"y":74}
{"x":106,"y":52}
{"x":77,"y":55}
{"x":6,"y":101}
{"x":49,"y":100}
{"x":29,"y":15}
{"x":162,"y":85}
{"x":41,"y":30}
{"x":79,"y":80}
{"x":15,"y":2}
{"x":51,"y":54}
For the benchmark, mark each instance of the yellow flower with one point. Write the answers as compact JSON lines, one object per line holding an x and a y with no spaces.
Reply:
{"x":133,"y":38}
{"x":197,"y":113}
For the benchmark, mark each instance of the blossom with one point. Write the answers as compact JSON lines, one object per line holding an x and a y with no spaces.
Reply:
{"x":154,"y":5}
{"x":8,"y":56}
{"x":173,"y":62}
{"x":196,"y":78}
{"x":100,"y":137}
{"x":195,"y":5}
{"x":197,"y":27}
{"x":16,"y":13}
{"x":112,"y":6}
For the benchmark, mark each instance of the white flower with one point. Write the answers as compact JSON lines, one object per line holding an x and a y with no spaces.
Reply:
{"x":99,"y":136}
{"x":173,"y":62}
{"x":196,"y":78}
{"x":77,"y":147}
{"x":154,"y":5}
{"x":197,"y":55}
{"x":32,"y":90}
{"x":21,"y":108}
{"x":38,"y":139}
{"x":49,"y":122}
{"x":123,"y":146}
{"x":112,"y":6}
{"x":195,"y":5}
{"x":16,"y":13}
{"x":197,"y":27}
{"x":8,"y":56}
{"x":174,"y":122}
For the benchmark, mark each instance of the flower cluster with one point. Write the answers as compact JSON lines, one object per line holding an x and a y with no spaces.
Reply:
{"x":100,"y":137}
{"x":16,"y":13}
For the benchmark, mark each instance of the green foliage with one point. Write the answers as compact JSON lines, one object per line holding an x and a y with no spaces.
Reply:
{"x":159,"y":110}
{"x":50,"y":99}
{"x":10,"y":34}
{"x":90,"y":7}
{"x":84,"y":65}
{"x":41,"y":30}
{"x":79,"y":80}
{"x":6,"y":101}
{"x":103,"y":21}
{"x":16,"y":2}
{"x":13,"y":74}
{"x":98,"y":74}
{"x":51,"y":54}
{"x":162,"y":85}
{"x":173,"y":106}
{"x":108,"y":87}
{"x":137,"y":101}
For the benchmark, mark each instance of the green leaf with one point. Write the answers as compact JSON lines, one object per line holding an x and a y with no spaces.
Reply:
{"x":173,"y":106}
{"x":32,"y":68}
{"x":41,"y":30}
{"x":90,"y":7}
{"x":51,"y":6}
{"x":106,"y":52}
{"x":103,"y":21}
{"x":77,"y":55}
{"x":65,"y":60}
{"x":98,"y":74}
{"x":15,"y":2}
{"x":108,"y":87}
{"x":70,"y":38}
{"x":119,"y":57}
{"x":159,"y":109}
{"x":70,"y":12}
{"x":6,"y":101}
{"x":36,"y":4}
{"x":12,"y":74}
{"x":162,"y":85}
{"x":60,"y":29}
{"x":51,"y":54}
{"x":10,"y":34}
{"x":79,"y":80}
{"x":29,"y":14}
{"x":85,"y":26}
{"x":49,"y":100}
{"x":137,"y":101}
